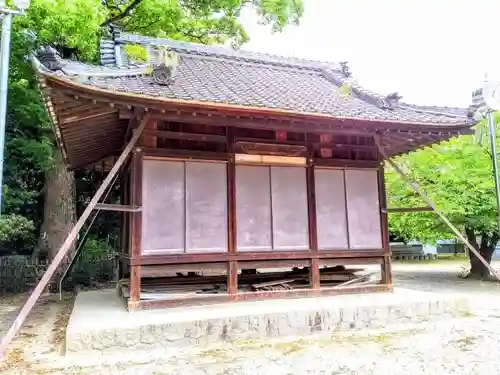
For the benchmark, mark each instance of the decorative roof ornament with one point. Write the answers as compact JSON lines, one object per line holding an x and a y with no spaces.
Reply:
{"x":392,"y":100}
{"x":164,"y":66}
{"x":345,"y":69}
{"x":50,"y":58}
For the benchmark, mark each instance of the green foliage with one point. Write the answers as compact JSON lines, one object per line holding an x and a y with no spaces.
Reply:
{"x":16,"y":233}
{"x":457,"y":176}
{"x":95,"y":247}
{"x":136,"y":52}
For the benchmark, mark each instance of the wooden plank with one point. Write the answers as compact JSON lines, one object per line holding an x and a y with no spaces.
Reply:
{"x":271,"y":283}
{"x":14,"y":328}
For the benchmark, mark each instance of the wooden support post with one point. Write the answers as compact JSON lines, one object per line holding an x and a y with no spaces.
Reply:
{"x":314,"y":276}
{"x":61,"y":254}
{"x":135,"y":272}
{"x":149,"y":138}
{"x":386,"y":271}
{"x":124,"y":220}
{"x":232,"y":270}
{"x":431,"y":204}
{"x":232,"y":279}
{"x":314,"y":279}
{"x":326,"y":152}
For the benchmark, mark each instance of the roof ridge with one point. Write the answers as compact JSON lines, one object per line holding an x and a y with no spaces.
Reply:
{"x":226,"y":52}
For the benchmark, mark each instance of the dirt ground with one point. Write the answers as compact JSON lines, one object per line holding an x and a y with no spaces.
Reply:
{"x":40,"y":341}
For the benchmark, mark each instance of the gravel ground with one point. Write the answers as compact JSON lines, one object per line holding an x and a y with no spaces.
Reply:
{"x":469,"y":345}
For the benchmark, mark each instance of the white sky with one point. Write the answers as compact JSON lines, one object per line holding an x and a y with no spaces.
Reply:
{"x":432,"y":52}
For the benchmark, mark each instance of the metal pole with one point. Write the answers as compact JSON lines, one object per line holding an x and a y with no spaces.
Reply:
{"x":491,"y":123}
{"x":4,"y":76}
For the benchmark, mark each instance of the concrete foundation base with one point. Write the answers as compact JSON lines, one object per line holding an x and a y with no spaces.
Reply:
{"x":99,"y":321}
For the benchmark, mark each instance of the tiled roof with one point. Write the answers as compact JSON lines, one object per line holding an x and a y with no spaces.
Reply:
{"x":215,"y":74}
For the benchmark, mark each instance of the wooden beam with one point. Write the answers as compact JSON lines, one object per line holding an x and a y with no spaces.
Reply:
{"x":347,"y":163}
{"x":257,"y":256}
{"x":61,"y":254}
{"x":406,"y":209}
{"x":133,"y":123}
{"x":186,"y":136}
{"x":184,"y":154}
{"x":270,"y":159}
{"x":276,"y":149}
{"x":332,"y":126}
{"x":117,"y":207}
{"x":78,"y":118}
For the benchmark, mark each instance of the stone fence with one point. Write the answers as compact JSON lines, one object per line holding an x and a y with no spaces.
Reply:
{"x":20,"y":273}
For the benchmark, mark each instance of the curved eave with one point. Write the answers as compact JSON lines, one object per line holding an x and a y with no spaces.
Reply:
{"x":125,"y":98}
{"x":92,"y":129}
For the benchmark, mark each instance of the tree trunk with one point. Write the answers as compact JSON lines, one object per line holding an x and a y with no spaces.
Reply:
{"x":59,"y":209}
{"x":487,"y":247}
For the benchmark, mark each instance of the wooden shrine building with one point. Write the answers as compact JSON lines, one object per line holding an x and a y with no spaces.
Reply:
{"x":243,"y":161}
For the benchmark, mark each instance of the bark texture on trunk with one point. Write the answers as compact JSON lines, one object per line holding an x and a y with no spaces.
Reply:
{"x":486,"y":248}
{"x":59,"y":209}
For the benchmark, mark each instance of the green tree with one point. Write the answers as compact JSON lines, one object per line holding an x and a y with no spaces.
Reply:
{"x":41,"y":194}
{"x":457,"y":176}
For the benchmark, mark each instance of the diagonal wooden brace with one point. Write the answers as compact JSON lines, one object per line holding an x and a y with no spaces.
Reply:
{"x":42,"y":284}
{"x":431,"y":204}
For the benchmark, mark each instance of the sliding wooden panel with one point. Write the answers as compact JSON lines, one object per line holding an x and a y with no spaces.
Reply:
{"x":331,"y":209}
{"x":163,"y":207}
{"x":289,"y":208}
{"x":253,"y":208}
{"x":206,"y":207}
{"x":363,"y":209}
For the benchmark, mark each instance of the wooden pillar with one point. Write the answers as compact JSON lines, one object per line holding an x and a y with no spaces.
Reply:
{"x":232,"y":267}
{"x":386,"y":269}
{"x":314,"y":279}
{"x":326,"y":152}
{"x":136,"y":240}
{"x":149,"y":140}
{"x":124,"y":229}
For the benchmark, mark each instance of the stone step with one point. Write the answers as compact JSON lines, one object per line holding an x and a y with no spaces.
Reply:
{"x":99,"y":322}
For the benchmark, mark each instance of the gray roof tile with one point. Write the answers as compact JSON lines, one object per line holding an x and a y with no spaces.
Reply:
{"x":221,"y":75}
